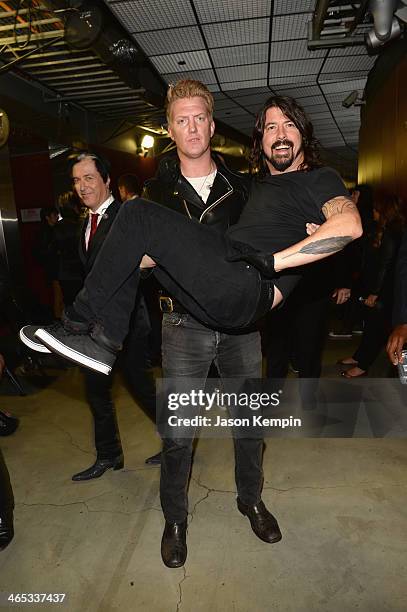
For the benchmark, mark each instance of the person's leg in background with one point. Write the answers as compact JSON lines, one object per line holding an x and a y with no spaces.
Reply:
{"x":109,"y":453}
{"x":310,"y":332}
{"x":374,"y":337}
{"x":135,"y":362}
{"x":279,"y":330}
{"x":6,"y":505}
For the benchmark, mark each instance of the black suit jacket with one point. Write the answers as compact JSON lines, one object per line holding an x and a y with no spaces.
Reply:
{"x":140,"y":321}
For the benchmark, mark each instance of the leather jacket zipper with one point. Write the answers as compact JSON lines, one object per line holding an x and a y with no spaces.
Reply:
{"x":214,"y":204}
{"x":219,"y":200}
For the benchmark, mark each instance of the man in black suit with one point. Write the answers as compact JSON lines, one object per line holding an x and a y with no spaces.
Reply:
{"x":91,"y":181}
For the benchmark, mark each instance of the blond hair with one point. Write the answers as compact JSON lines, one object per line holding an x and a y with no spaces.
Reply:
{"x":187,"y":88}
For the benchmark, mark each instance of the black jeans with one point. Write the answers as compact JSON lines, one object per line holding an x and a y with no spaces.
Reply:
{"x":193,"y":268}
{"x":188,"y":350}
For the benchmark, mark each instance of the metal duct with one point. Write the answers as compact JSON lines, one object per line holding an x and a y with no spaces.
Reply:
{"x":90,"y":25}
{"x":382,"y":12}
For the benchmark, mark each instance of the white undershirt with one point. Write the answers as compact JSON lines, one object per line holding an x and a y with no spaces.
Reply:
{"x":202,"y":184}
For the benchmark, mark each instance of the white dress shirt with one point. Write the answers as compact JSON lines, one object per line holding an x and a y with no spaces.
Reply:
{"x":100,"y":212}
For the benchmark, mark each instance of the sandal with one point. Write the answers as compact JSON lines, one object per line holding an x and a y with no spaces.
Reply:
{"x":346,"y":374}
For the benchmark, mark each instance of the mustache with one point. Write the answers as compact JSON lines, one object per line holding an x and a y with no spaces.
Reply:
{"x":282,"y":142}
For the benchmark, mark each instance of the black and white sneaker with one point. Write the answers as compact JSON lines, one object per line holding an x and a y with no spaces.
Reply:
{"x":91,"y":350}
{"x":27,"y":336}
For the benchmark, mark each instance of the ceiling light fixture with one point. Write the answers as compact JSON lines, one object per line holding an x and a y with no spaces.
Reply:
{"x":147,"y":141}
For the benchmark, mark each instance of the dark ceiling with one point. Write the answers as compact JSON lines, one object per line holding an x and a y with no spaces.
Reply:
{"x":243,"y":50}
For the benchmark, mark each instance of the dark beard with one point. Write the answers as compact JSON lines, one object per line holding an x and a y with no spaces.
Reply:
{"x":280,"y":163}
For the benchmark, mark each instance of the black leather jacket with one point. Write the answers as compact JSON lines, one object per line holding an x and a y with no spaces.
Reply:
{"x":224,"y":205}
{"x":228,"y":195}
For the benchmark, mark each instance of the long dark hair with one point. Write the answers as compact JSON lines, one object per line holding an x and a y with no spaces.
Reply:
{"x":291,"y":109}
{"x":391,"y":211}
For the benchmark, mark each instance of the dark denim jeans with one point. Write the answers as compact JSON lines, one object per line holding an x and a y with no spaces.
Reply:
{"x":188,"y":350}
{"x":193,"y":267}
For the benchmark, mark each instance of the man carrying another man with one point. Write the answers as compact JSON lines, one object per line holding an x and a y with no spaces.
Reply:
{"x":226,"y":282}
{"x":194,"y":183}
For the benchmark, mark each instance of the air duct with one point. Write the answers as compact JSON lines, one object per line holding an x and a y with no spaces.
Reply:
{"x":374,"y":42}
{"x":382,"y":12}
{"x":90,"y":25}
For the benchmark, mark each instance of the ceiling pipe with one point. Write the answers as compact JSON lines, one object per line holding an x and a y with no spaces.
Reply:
{"x":382,"y":12}
{"x":90,"y":25}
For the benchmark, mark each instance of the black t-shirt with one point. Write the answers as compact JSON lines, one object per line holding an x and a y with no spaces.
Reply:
{"x":280,"y":205}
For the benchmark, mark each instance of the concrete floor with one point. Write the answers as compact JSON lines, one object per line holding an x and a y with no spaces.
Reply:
{"x":341,"y":505}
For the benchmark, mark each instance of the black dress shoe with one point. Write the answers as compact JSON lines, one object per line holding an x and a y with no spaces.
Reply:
{"x":99,"y":468}
{"x":263,"y":523}
{"x":154,"y":459}
{"x":6,"y":529}
{"x":8,"y":423}
{"x":174,"y":544}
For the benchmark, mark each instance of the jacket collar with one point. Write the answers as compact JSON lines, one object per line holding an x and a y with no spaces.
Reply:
{"x":169,"y":173}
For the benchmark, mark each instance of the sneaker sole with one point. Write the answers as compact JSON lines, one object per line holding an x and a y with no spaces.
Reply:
{"x":341,"y":337}
{"x":65,"y":351}
{"x":34,"y":346}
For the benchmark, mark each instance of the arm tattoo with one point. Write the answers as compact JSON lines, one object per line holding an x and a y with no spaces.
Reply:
{"x":338,"y":205}
{"x":324,"y":246}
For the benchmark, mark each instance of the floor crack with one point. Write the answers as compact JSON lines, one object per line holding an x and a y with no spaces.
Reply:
{"x":185,"y":576}
{"x":70,"y":438}
{"x":85,"y":503}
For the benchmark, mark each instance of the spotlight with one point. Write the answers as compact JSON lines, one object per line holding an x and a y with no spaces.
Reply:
{"x":147,"y":142}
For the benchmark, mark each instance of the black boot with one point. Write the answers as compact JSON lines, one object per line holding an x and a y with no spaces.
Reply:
{"x":263,"y":523}
{"x":174,"y":544}
{"x":99,"y":468}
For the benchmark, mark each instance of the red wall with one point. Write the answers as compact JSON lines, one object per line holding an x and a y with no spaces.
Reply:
{"x":33,"y":188}
{"x":123,"y":163}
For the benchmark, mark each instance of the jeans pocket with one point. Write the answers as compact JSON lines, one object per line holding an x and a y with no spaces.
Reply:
{"x":172,"y":319}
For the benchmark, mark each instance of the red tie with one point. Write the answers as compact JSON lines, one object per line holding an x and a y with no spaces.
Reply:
{"x":93,"y":226}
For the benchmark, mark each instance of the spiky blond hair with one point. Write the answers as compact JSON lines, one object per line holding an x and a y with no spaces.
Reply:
{"x":187,"y":88}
